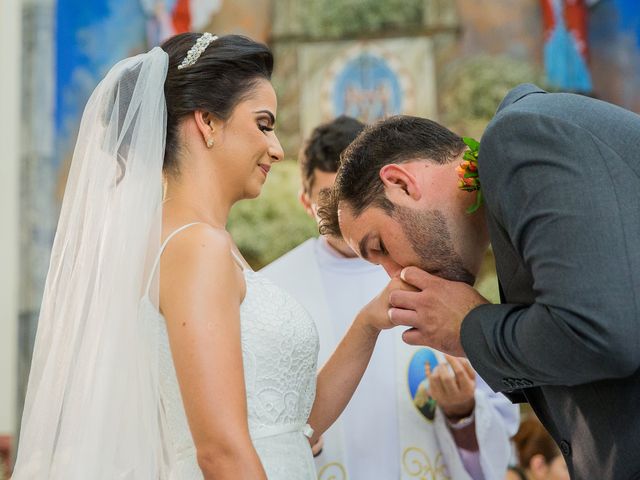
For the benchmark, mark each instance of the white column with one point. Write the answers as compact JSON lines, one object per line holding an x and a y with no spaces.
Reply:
{"x":10,"y":94}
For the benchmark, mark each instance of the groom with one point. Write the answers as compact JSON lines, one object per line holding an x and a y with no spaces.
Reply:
{"x":560,"y":175}
{"x":454,"y":419}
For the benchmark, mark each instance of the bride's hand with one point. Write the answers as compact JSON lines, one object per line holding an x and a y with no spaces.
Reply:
{"x":376,"y":313}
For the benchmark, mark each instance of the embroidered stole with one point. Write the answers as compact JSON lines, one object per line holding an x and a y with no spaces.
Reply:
{"x":427,"y":449}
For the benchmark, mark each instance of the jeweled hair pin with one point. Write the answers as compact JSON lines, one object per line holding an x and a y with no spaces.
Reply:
{"x":194,"y":52}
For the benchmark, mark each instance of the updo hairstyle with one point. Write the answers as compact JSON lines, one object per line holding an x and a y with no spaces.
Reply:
{"x":223,"y":76}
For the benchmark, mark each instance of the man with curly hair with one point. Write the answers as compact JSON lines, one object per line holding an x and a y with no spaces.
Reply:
{"x":560,"y":177}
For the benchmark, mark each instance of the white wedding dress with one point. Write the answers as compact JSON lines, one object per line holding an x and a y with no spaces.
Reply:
{"x":279,"y":351}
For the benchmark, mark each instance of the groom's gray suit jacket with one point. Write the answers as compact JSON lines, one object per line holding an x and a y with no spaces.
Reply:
{"x":561,"y":179}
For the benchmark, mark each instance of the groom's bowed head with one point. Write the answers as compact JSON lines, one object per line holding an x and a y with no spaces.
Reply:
{"x":560,"y":179}
{"x":398,"y":202}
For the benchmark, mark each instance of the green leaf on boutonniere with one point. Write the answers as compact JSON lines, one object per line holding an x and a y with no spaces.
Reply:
{"x":473,"y":208}
{"x":473,"y":144}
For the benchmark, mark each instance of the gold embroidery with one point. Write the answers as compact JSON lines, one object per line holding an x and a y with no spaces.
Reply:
{"x":333,"y":471}
{"x":417,"y":464}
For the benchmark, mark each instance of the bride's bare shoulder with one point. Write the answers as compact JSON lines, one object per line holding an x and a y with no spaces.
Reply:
{"x":201,"y":237}
{"x":201,"y":254}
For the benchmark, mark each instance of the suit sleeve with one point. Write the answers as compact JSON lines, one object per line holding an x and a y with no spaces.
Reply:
{"x":548,"y":185}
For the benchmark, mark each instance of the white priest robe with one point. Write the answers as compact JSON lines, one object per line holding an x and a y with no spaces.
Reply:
{"x":382,"y":434}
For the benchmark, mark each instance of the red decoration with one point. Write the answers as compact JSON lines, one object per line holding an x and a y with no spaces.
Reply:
{"x":181,"y":17}
{"x":575,"y":16}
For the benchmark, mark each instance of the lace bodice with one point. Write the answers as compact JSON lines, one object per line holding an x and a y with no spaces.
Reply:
{"x":279,"y":351}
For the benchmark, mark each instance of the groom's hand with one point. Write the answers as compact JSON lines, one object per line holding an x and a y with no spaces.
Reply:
{"x":434,"y":312}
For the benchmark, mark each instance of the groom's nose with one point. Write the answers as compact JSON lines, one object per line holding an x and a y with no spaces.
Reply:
{"x":392,"y":268}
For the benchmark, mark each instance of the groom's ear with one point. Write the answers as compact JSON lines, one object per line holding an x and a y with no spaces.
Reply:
{"x":399,"y":182}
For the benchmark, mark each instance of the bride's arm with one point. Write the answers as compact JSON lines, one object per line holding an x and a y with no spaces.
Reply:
{"x":340,"y":376}
{"x":201,"y":289}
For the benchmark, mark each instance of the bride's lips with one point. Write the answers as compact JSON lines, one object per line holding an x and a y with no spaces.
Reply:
{"x":265,"y":168}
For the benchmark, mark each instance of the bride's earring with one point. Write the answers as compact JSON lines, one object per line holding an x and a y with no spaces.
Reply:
{"x":209,"y":140}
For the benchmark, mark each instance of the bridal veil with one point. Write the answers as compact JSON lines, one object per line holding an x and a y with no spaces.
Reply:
{"x":92,"y":407}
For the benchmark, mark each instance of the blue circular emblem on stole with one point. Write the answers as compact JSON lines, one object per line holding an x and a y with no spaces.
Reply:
{"x":419,"y":384}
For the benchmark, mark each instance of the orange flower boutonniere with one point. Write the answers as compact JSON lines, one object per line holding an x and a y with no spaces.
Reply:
{"x":468,"y":172}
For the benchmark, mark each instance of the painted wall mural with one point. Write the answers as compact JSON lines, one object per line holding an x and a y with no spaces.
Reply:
{"x":166,"y":18}
{"x":369,"y":80}
{"x":92,"y":36}
{"x":565,"y":45}
{"x":367,"y":86}
{"x":614,"y":38}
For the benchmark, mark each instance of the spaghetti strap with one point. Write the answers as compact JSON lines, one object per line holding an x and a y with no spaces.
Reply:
{"x":238,"y":260}
{"x":162,"y":247}
{"x":174,"y":233}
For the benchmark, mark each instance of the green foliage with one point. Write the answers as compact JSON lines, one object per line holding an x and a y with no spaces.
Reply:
{"x":335,"y":18}
{"x":275,"y":222}
{"x":473,"y":88}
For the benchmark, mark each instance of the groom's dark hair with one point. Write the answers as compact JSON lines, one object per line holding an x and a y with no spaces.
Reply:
{"x":398,"y":139}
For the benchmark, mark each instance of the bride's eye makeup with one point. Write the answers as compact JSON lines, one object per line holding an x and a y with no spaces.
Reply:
{"x":266,"y":121}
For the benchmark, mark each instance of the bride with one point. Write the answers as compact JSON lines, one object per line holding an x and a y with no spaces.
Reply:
{"x":159,"y":353}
